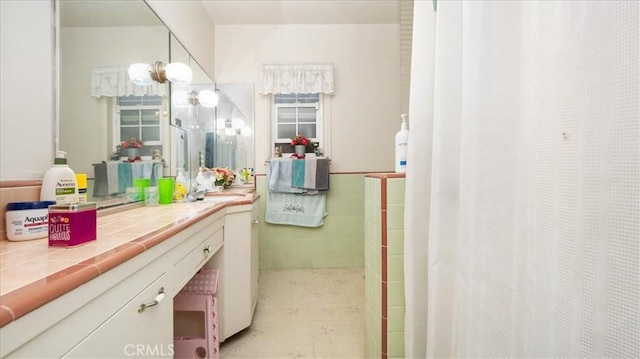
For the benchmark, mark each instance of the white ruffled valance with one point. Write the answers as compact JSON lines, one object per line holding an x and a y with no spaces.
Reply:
{"x":113,"y":81}
{"x":297,"y":78}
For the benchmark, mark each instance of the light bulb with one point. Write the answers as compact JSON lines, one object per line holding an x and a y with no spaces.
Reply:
{"x":246,"y":131}
{"x":229,"y":131}
{"x":208,"y":98}
{"x":178,"y":73}
{"x":139,"y":74}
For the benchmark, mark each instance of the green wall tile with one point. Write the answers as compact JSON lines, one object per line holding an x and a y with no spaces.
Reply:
{"x":395,"y":190}
{"x":395,"y":241}
{"x":395,"y":323}
{"x":395,"y":342}
{"x":395,"y":216}
{"x":395,"y":293}
{"x":342,"y":231}
{"x":395,"y":267}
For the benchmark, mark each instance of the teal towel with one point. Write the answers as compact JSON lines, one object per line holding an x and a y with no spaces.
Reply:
{"x":124,"y":176}
{"x":297,"y":175}
{"x":279,"y":176}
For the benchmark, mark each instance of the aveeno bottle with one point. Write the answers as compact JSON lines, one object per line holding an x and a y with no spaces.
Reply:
{"x":59,"y":183}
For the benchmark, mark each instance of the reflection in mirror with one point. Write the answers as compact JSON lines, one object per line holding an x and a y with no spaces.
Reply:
{"x":99,"y":106}
{"x":234,"y":127}
{"x":219,"y":123}
{"x":203,"y":116}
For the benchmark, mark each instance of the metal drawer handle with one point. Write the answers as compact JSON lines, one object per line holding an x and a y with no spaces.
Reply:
{"x":255,"y":221}
{"x":207,"y":250}
{"x":155,"y":302}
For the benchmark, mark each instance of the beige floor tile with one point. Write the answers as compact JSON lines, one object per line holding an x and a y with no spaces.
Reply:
{"x":304,"y":313}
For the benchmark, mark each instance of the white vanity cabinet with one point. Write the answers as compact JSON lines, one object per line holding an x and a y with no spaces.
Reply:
{"x":102,"y":318}
{"x":142,"y":328}
{"x":237,"y":262}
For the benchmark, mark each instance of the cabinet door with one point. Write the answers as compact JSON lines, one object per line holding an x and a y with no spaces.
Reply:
{"x":132,"y":332}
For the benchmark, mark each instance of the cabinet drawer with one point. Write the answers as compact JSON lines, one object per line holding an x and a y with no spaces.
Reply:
{"x":140,"y":333}
{"x":187,"y":266}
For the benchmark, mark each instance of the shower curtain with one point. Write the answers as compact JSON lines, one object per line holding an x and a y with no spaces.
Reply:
{"x":525,"y":121}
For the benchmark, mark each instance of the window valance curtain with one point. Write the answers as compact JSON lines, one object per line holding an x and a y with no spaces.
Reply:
{"x":113,"y":81}
{"x":297,"y":78}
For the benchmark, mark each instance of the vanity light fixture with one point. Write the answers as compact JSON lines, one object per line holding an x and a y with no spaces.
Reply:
{"x":144,"y":74}
{"x":206,"y":98}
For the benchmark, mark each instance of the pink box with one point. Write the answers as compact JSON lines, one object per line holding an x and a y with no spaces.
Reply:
{"x":71,"y":225}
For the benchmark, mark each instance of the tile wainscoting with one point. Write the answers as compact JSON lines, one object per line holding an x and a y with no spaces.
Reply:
{"x":384,"y":265}
{"x":339,"y":242}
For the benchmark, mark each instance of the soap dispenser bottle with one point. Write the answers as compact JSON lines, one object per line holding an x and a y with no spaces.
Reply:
{"x":59,"y":183}
{"x":402,"y":141}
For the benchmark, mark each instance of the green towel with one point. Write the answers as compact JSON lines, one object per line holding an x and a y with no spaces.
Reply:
{"x":297,"y":175}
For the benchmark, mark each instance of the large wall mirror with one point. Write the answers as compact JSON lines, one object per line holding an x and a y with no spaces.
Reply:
{"x":99,"y":107}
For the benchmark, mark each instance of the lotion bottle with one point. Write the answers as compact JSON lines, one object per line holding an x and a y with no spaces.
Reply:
{"x":59,"y":183}
{"x":402,"y":140}
{"x":180,"y":190}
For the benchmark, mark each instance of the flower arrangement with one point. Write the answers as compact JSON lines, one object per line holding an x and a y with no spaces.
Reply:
{"x":300,"y":140}
{"x":132,"y":143}
{"x":223,"y":176}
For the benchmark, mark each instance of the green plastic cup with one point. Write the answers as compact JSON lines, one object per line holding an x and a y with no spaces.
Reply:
{"x":142,"y":183}
{"x":165,"y":190}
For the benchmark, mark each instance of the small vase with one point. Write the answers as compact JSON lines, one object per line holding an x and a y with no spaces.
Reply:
{"x":300,"y":150}
{"x":132,"y":153}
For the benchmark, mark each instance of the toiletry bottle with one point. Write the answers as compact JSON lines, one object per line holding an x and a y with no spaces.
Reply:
{"x":180,"y":190}
{"x":200,"y":182}
{"x":402,"y":140}
{"x":59,"y":183}
{"x":81,"y":179}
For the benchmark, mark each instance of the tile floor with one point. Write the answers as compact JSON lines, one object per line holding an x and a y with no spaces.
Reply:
{"x":304,"y":313}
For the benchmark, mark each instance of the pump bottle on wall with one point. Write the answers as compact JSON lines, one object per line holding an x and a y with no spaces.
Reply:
{"x":402,"y":141}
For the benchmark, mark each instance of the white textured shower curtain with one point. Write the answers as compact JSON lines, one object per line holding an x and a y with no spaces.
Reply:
{"x":525,"y":121}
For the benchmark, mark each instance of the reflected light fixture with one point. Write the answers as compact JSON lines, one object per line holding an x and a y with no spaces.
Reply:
{"x":234,"y":127}
{"x":206,"y":98}
{"x":144,"y":74}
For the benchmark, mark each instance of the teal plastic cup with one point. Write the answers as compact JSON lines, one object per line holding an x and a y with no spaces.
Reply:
{"x":165,"y":190}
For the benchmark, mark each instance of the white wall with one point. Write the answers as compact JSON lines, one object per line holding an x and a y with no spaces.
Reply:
{"x":365,"y":110}
{"x":26,"y":89}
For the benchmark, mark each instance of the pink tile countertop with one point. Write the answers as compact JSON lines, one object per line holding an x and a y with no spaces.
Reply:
{"x":32,"y":273}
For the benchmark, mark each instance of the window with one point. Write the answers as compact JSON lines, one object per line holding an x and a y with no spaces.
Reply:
{"x":139,"y":116}
{"x":296,"y":114}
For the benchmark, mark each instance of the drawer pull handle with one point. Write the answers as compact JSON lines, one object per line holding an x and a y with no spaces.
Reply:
{"x":255,"y":221}
{"x":207,"y":250}
{"x":155,"y":302}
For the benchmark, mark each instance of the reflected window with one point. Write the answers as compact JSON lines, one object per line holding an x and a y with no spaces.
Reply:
{"x":294,"y":114}
{"x":139,"y":117}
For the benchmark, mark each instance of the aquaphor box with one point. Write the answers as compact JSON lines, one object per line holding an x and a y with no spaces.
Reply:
{"x":71,"y":225}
